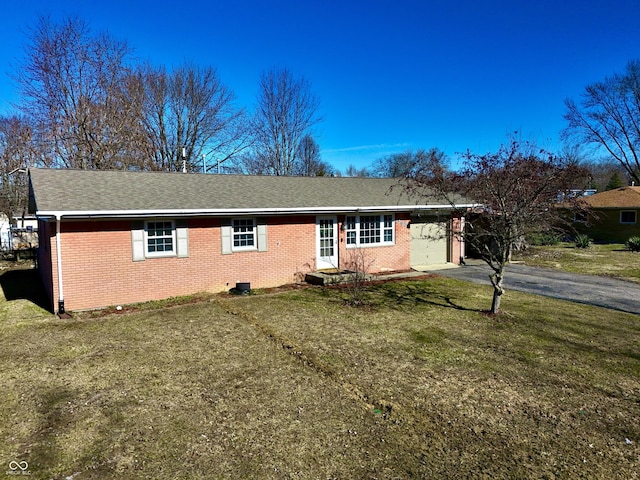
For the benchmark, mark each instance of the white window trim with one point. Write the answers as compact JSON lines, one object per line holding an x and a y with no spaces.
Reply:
{"x":248,"y":248}
{"x":382,"y":242}
{"x":171,"y":253}
{"x":635,"y":212}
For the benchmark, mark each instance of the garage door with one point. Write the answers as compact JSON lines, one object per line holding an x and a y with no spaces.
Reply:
{"x":429,"y":244}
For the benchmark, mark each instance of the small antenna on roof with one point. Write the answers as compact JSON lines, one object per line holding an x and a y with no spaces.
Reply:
{"x":184,"y":161}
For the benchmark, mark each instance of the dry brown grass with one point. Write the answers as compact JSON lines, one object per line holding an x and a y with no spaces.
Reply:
{"x":612,"y":260}
{"x":420,"y":384}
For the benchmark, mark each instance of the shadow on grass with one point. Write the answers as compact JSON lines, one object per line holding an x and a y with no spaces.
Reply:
{"x":24,"y":285}
{"x":411,"y":295}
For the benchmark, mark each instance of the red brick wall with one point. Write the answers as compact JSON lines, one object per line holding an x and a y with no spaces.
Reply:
{"x":98,"y":269}
{"x":457,"y":247}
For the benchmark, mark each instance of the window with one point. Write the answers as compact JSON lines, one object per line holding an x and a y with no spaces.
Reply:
{"x":156,"y":239}
{"x":160,"y":239}
{"x":388,"y":228}
{"x":350,"y":227}
{"x":628,"y":216}
{"x":369,"y":230}
{"x":580,"y":217}
{"x":244,"y":234}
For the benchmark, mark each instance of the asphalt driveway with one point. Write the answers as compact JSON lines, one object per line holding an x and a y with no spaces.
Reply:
{"x":590,"y":289}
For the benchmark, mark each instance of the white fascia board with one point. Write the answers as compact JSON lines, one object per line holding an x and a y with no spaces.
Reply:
{"x":89,"y":214}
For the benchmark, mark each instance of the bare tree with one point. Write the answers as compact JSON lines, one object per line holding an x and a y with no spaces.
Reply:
{"x":308,"y":161}
{"x":286,"y":111}
{"x":78,"y":90}
{"x":518,"y":188}
{"x":353,"y":171}
{"x":358,"y":265}
{"x":17,"y":153}
{"x":190,"y":111}
{"x":606,"y":174}
{"x":608,"y":117}
{"x":398,"y":165}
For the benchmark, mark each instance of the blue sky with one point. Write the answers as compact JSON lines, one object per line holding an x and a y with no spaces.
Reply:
{"x":390,"y":75}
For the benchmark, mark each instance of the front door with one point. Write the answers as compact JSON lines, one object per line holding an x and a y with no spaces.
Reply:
{"x":327,"y":243}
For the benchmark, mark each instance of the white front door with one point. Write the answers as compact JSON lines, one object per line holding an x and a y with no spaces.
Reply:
{"x":327,"y":243}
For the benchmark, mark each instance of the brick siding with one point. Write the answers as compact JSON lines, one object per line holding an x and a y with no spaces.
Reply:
{"x":98,"y":269}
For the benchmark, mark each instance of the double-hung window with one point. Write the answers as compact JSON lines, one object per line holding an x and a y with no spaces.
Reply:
{"x":244,"y":234}
{"x":160,"y":238}
{"x":362,"y":230}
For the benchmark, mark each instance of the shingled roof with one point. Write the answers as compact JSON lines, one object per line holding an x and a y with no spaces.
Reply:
{"x":624,"y":197}
{"x":118,"y":193}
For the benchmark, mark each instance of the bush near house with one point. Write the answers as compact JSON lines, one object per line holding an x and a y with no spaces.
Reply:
{"x":544,"y":239}
{"x":582,"y":241}
{"x":633,"y":244}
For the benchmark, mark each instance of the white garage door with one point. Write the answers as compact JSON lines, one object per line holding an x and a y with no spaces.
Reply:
{"x":429,"y":243}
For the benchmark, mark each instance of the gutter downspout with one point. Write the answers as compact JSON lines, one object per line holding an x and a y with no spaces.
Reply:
{"x":463,"y":252}
{"x":59,"y":264}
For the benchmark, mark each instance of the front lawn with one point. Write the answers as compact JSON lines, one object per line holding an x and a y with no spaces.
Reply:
{"x":612,"y":259}
{"x":420,"y":383}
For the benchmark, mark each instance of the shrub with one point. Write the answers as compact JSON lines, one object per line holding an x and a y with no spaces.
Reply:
{"x":547,"y":239}
{"x":582,"y":241}
{"x":633,"y":244}
{"x":358,"y":263}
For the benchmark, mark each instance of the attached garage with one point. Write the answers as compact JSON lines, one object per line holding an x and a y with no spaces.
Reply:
{"x":430,"y":243}
{"x":196,"y":234}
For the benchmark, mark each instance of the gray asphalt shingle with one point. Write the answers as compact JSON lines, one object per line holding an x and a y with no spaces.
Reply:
{"x":90,"y":190}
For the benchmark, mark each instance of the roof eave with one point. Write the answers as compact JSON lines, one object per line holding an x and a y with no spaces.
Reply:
{"x":97,"y":214}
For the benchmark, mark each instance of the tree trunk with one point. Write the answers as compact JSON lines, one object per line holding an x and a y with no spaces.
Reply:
{"x":496,"y":281}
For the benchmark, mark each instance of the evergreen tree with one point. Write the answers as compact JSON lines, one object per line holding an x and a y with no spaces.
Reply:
{"x":614,"y":182}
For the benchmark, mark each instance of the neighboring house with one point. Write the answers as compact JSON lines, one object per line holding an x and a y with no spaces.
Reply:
{"x":6,"y":245}
{"x":118,"y":237}
{"x":26,"y":222}
{"x":612,"y":217}
{"x":21,"y":235}
{"x":24,"y":232}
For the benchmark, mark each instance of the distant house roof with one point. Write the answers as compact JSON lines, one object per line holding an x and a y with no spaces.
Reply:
{"x":624,"y":197}
{"x":111,"y":193}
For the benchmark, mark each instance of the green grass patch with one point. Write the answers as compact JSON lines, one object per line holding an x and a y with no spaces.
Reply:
{"x":419,"y":383}
{"x":613,"y":260}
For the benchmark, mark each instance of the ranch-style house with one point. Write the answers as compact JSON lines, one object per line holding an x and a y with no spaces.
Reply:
{"x":119,"y":237}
